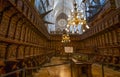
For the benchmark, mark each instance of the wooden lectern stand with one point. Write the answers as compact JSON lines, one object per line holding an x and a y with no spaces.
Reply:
{"x":80,"y":69}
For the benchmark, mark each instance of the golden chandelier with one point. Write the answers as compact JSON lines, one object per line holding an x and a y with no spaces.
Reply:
{"x":77,"y":18}
{"x":65,"y":37}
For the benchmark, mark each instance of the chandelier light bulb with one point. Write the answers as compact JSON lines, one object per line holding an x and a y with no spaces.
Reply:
{"x":82,"y":16}
{"x":67,"y":30}
{"x":68,"y":19}
{"x":81,"y":23}
{"x":87,"y":27}
{"x":72,"y":11}
{"x":81,"y":11}
{"x":83,"y":30}
{"x":73,"y":23}
{"x":68,"y":25}
{"x":77,"y":16}
{"x":69,"y":15}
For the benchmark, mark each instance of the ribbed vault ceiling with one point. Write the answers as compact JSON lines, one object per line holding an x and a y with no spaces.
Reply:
{"x":59,"y":7}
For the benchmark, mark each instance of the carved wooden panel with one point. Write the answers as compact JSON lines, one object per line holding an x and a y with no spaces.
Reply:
{"x":110,"y":21}
{"x":38,"y":53}
{"x":28,"y":36}
{"x":34,"y":51}
{"x":12,"y":51}
{"x":6,"y":20}
{"x":13,"y":1}
{"x":114,"y":36}
{"x":31,"y":51}
{"x":26,"y":33}
{"x":18,"y":29}
{"x":27,"y":51}
{"x":33,"y":18}
{"x":106,"y":38}
{"x":106,"y":24}
{"x":32,"y":37}
{"x":12,"y":27}
{"x":100,"y":40}
{"x":23,"y":33}
{"x":25,"y":10}
{"x":116,"y":52}
{"x":38,"y":41}
{"x":2,"y":50}
{"x":20,"y":52}
{"x":19,"y":4}
{"x":4,"y":25}
{"x":116,"y":19}
{"x":96,"y":42}
{"x":110,"y":38}
{"x":29,"y":13}
{"x":110,"y":51}
{"x":118,"y":35}
{"x":35,"y":38}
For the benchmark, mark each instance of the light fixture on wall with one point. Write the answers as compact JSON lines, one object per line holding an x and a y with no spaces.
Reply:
{"x":77,"y":18}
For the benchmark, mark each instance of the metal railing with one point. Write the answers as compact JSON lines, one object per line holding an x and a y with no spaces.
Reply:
{"x":13,"y":72}
{"x":25,"y":72}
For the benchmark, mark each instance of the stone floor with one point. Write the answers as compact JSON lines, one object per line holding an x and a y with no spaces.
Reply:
{"x":64,"y":70}
{"x":55,"y":71}
{"x":108,"y":72}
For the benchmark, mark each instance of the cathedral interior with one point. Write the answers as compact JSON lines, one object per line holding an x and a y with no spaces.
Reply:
{"x":59,"y":38}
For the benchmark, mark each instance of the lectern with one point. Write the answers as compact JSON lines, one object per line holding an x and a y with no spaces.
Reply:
{"x":80,"y":69}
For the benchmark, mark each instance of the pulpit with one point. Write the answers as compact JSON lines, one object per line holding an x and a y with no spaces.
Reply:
{"x":81,"y":69}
